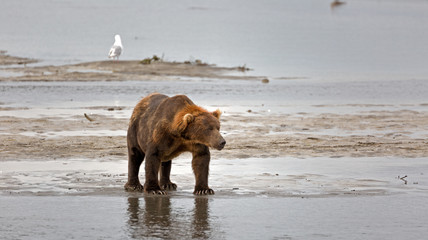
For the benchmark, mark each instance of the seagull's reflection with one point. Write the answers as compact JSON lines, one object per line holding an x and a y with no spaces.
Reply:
{"x":156,"y":217}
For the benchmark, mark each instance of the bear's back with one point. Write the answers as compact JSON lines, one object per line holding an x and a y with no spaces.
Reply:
{"x":157,"y":106}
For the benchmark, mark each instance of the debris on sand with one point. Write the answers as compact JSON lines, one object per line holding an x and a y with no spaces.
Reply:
{"x":110,"y":109}
{"x":265,"y":80}
{"x":243,"y":68}
{"x":146,"y":61}
{"x":403,"y":179}
{"x":196,"y":62}
{"x":89,"y":118}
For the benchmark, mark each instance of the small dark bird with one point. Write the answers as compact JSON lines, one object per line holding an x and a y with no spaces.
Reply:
{"x":336,"y":3}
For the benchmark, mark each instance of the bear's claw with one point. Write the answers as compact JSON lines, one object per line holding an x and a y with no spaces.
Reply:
{"x":204,"y":192}
{"x":157,"y":192}
{"x":134,"y":188}
{"x":169,"y":186}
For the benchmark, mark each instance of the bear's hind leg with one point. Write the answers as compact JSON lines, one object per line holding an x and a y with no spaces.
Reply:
{"x":165,"y":181}
{"x":135,"y":158}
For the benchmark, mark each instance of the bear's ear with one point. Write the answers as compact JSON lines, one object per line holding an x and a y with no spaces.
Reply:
{"x":188,"y":118}
{"x":181,"y":124}
{"x":217,"y":113}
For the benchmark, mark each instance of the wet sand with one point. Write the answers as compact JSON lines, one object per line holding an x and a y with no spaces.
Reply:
{"x":372,"y":134}
{"x":358,"y":167}
{"x":6,"y":59}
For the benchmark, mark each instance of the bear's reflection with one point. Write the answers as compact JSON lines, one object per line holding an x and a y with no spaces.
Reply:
{"x":201,"y":228}
{"x":156,"y":217}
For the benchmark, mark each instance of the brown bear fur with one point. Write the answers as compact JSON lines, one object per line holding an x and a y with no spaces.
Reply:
{"x":160,"y":129}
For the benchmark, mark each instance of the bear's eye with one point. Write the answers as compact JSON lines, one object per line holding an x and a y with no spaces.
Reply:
{"x":210,"y":128}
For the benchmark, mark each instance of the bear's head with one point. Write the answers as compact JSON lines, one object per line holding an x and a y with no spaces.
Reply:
{"x":200,"y":126}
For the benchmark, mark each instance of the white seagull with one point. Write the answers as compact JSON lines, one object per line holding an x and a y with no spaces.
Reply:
{"x":117,"y":48}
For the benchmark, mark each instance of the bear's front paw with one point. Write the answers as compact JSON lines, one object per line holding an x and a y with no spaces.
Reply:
{"x":156,"y":192}
{"x":134,"y":187}
{"x":207,"y":191}
{"x":169,"y":186}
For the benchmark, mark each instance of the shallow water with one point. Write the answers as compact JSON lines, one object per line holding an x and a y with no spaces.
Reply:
{"x":383,"y":217}
{"x":259,"y":177}
{"x":366,"y":39}
{"x":279,"y":96}
{"x":278,"y":198}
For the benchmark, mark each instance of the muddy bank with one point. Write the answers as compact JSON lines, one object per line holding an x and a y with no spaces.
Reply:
{"x":158,"y":70}
{"x":6,"y":59}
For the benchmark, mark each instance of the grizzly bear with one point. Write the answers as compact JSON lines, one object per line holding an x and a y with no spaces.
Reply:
{"x":160,"y":129}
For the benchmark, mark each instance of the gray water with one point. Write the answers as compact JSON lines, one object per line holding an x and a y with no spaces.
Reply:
{"x":279,"y":96}
{"x":365,"y":39}
{"x":384,"y":217}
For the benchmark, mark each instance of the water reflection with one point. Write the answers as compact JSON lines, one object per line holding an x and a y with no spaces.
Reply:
{"x":201,"y":226}
{"x":156,"y":217}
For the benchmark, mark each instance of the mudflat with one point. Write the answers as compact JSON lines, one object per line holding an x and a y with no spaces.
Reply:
{"x":373,"y":134}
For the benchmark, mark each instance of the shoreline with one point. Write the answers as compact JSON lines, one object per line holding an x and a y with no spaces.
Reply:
{"x":8,"y":60}
{"x":122,"y":70}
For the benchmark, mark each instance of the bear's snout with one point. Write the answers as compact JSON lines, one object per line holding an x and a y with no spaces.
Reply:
{"x":221,"y":144}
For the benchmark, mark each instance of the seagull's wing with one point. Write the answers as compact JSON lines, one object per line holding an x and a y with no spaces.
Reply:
{"x":118,"y":50}
{"x":115,"y":51}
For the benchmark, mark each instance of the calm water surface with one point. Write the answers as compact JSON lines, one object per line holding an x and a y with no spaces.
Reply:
{"x":278,"y":96}
{"x":212,"y":218}
{"x":366,"y":39}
